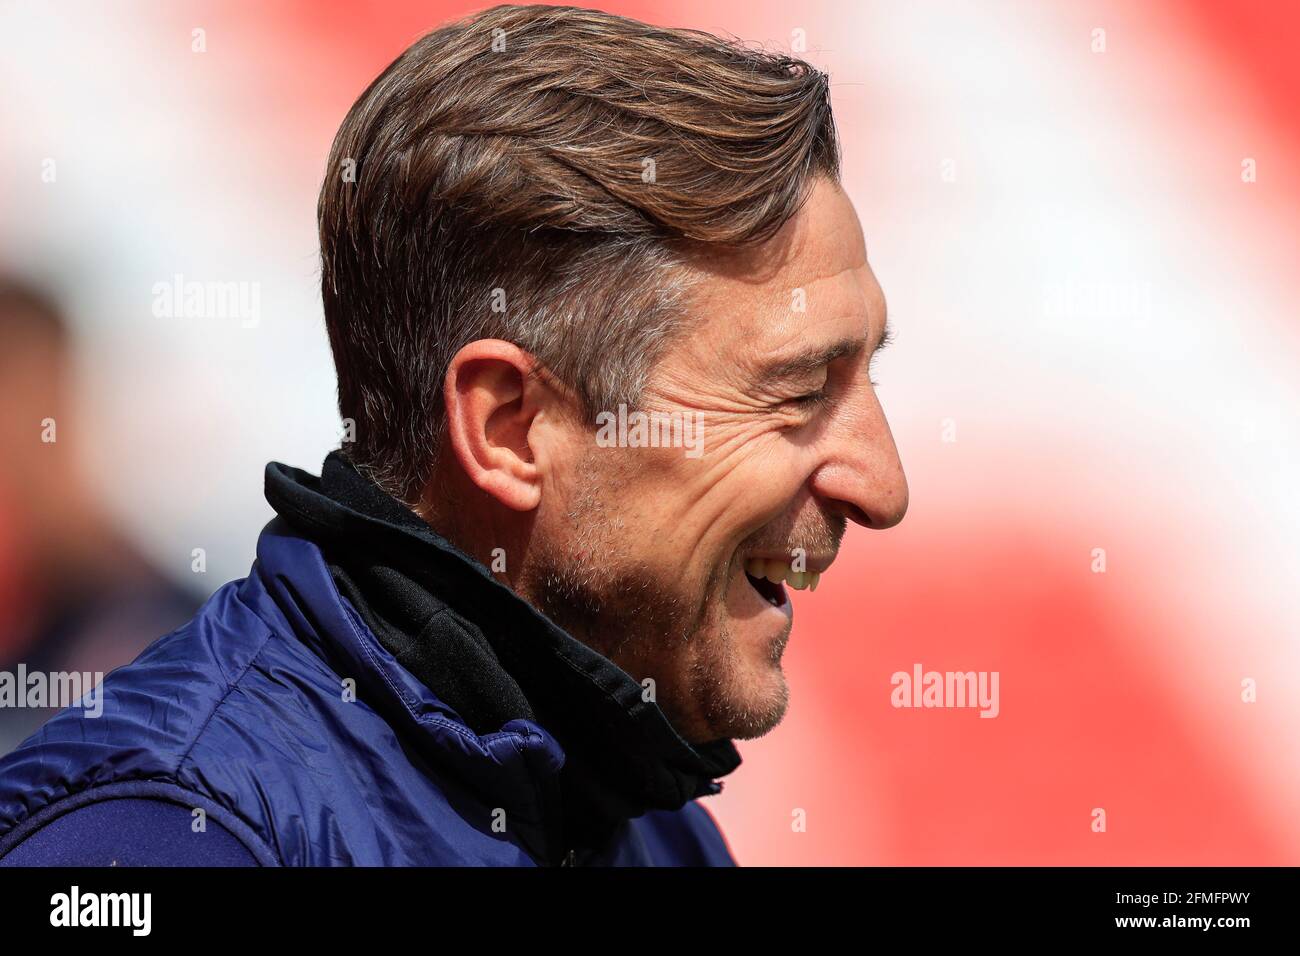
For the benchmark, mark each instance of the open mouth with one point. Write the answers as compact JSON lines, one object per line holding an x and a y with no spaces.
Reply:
{"x":773,"y":592}
{"x":769,"y":577}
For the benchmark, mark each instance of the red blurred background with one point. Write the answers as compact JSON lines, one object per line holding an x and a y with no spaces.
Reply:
{"x":1097,"y":348}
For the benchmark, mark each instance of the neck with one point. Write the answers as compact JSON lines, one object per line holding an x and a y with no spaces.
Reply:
{"x":495,"y":536}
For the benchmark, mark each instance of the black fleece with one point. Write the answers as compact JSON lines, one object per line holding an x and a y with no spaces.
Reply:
{"x":492,"y":657}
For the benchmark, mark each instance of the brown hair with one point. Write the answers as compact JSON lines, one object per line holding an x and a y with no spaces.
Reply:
{"x":536,"y":174}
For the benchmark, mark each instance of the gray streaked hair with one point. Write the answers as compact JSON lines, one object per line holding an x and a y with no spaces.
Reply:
{"x":541,"y":175}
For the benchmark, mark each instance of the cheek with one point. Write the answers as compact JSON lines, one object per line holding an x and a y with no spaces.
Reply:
{"x":760,"y":469}
{"x":677,"y":516}
{"x":731,"y":495}
{"x":634,"y":505}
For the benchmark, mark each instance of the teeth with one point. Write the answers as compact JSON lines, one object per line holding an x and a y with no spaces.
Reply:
{"x":779,"y":572}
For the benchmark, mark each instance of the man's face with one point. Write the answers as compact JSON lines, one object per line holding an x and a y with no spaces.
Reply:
{"x":660,"y":557}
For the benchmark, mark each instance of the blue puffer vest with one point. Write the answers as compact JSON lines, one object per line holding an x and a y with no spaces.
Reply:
{"x":278,"y":712}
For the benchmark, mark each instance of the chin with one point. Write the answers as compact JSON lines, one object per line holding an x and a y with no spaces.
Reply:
{"x":754,"y":707}
{"x":736,"y":675}
{"x":757,"y":721}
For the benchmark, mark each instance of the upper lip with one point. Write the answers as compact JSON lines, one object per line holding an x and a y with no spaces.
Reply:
{"x":816,"y":563}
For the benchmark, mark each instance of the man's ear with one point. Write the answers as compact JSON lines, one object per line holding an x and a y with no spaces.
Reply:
{"x":491,"y":400}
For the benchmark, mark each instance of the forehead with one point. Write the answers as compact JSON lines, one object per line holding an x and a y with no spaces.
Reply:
{"x":810,"y":282}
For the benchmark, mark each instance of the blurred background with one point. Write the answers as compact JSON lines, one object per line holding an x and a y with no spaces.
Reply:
{"x":1084,"y":215}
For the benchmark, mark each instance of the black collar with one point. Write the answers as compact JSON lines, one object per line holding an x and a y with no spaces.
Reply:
{"x":492,"y":657}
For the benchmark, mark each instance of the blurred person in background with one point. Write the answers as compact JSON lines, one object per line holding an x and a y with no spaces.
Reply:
{"x":75,"y":594}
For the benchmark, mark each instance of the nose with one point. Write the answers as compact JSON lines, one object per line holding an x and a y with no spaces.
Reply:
{"x":861,"y":476}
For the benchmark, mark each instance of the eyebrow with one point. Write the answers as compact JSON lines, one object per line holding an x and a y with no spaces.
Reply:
{"x":784,"y":369}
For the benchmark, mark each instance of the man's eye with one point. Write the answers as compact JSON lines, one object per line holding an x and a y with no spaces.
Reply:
{"x":811,"y":399}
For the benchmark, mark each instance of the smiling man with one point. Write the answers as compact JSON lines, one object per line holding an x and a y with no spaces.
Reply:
{"x":482,"y":636}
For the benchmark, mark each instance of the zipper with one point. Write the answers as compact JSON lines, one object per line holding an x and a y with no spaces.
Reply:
{"x":570,"y":858}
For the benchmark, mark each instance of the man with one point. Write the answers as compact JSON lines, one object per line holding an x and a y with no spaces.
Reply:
{"x":602,"y":320}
